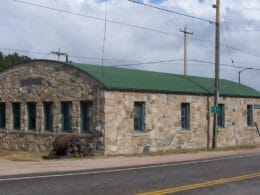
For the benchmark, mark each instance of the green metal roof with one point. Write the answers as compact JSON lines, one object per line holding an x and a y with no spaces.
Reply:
{"x":113,"y":78}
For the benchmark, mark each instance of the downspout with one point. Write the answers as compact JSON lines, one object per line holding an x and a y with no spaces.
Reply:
{"x":100,"y":127}
{"x":208,"y":123}
{"x":98,"y":108}
{"x":208,"y":108}
{"x":103,"y":130}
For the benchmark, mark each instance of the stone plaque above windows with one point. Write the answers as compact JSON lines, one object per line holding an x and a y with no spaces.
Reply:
{"x":31,"y":81}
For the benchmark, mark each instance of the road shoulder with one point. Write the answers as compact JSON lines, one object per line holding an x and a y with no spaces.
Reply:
{"x":8,"y":168}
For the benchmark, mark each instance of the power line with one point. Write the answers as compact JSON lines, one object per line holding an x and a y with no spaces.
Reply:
{"x":227,"y":30}
{"x":59,"y":53}
{"x":71,"y":56}
{"x":104,"y":39}
{"x":175,"y":60}
{"x":230,"y":46}
{"x":120,"y":60}
{"x":174,"y":12}
{"x":244,"y":30}
{"x":242,"y":51}
{"x":23,"y":51}
{"x":129,"y":25}
{"x":108,"y":20}
{"x":194,"y":17}
{"x":105,"y":59}
{"x":223,"y":64}
{"x":97,"y":18}
{"x":150,"y":62}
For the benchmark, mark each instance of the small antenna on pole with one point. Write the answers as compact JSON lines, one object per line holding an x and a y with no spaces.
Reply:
{"x":59,"y":53}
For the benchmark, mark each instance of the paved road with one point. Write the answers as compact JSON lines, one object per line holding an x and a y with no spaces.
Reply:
{"x":166,"y":178}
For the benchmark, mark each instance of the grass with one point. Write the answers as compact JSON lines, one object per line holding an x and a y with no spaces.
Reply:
{"x":16,"y":155}
{"x":186,"y":151}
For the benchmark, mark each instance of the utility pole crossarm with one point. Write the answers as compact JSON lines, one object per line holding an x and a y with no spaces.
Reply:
{"x":58,"y":54}
{"x":185,"y":32}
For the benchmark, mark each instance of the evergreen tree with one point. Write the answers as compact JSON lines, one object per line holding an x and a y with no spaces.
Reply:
{"x":11,"y":59}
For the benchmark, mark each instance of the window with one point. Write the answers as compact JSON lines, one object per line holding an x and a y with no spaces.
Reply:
{"x":86,"y":117}
{"x":2,"y":115}
{"x":66,"y":110}
{"x":139,"y":118}
{"x":16,"y":116}
{"x":249,"y":115}
{"x":185,"y":116}
{"x":221,"y":116}
{"x":31,"y":115}
{"x":48,"y":116}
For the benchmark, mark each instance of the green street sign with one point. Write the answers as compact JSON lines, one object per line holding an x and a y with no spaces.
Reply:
{"x":214,"y":109}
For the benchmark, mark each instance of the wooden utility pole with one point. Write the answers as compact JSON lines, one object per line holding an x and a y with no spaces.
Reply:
{"x":216,"y":86}
{"x":59,"y":53}
{"x":185,"y":32}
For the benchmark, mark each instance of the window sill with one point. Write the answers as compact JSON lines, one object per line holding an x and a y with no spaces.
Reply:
{"x":185,"y":131}
{"x":139,"y":133}
{"x":86,"y":133}
{"x":32,"y":130}
{"x":16,"y":130}
{"x":48,"y":133}
{"x":222,"y":129}
{"x":66,"y":132}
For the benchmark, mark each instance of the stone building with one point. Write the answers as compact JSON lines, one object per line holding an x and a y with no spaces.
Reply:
{"x":137,"y":110}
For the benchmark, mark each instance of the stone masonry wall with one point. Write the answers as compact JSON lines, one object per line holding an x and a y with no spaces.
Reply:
{"x":163,"y":122}
{"x":236,"y":131}
{"x":52,"y":82}
{"x":56,"y":82}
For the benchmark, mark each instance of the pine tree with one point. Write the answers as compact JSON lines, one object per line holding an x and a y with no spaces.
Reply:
{"x":11,"y":59}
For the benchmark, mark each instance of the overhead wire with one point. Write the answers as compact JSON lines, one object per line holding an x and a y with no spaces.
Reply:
{"x":194,"y":17}
{"x":96,"y":18}
{"x":132,"y":64}
{"x":150,"y":62}
{"x":244,"y":30}
{"x":23,"y":51}
{"x":175,"y":60}
{"x":230,"y":38}
{"x":210,"y":49}
{"x":171,"y":11}
{"x":104,"y":40}
{"x":129,"y":25}
{"x":107,"y":20}
{"x":242,"y":51}
{"x":224,"y":64}
{"x":69,"y":55}
{"x":134,"y":26}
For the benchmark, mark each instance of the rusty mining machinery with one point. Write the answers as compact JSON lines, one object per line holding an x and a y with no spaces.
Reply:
{"x":77,"y":146}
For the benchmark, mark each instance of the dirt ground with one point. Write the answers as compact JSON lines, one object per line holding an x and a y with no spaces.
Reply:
{"x":13,"y":167}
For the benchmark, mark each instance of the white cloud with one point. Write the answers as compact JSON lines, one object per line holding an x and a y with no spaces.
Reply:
{"x":37,"y":29}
